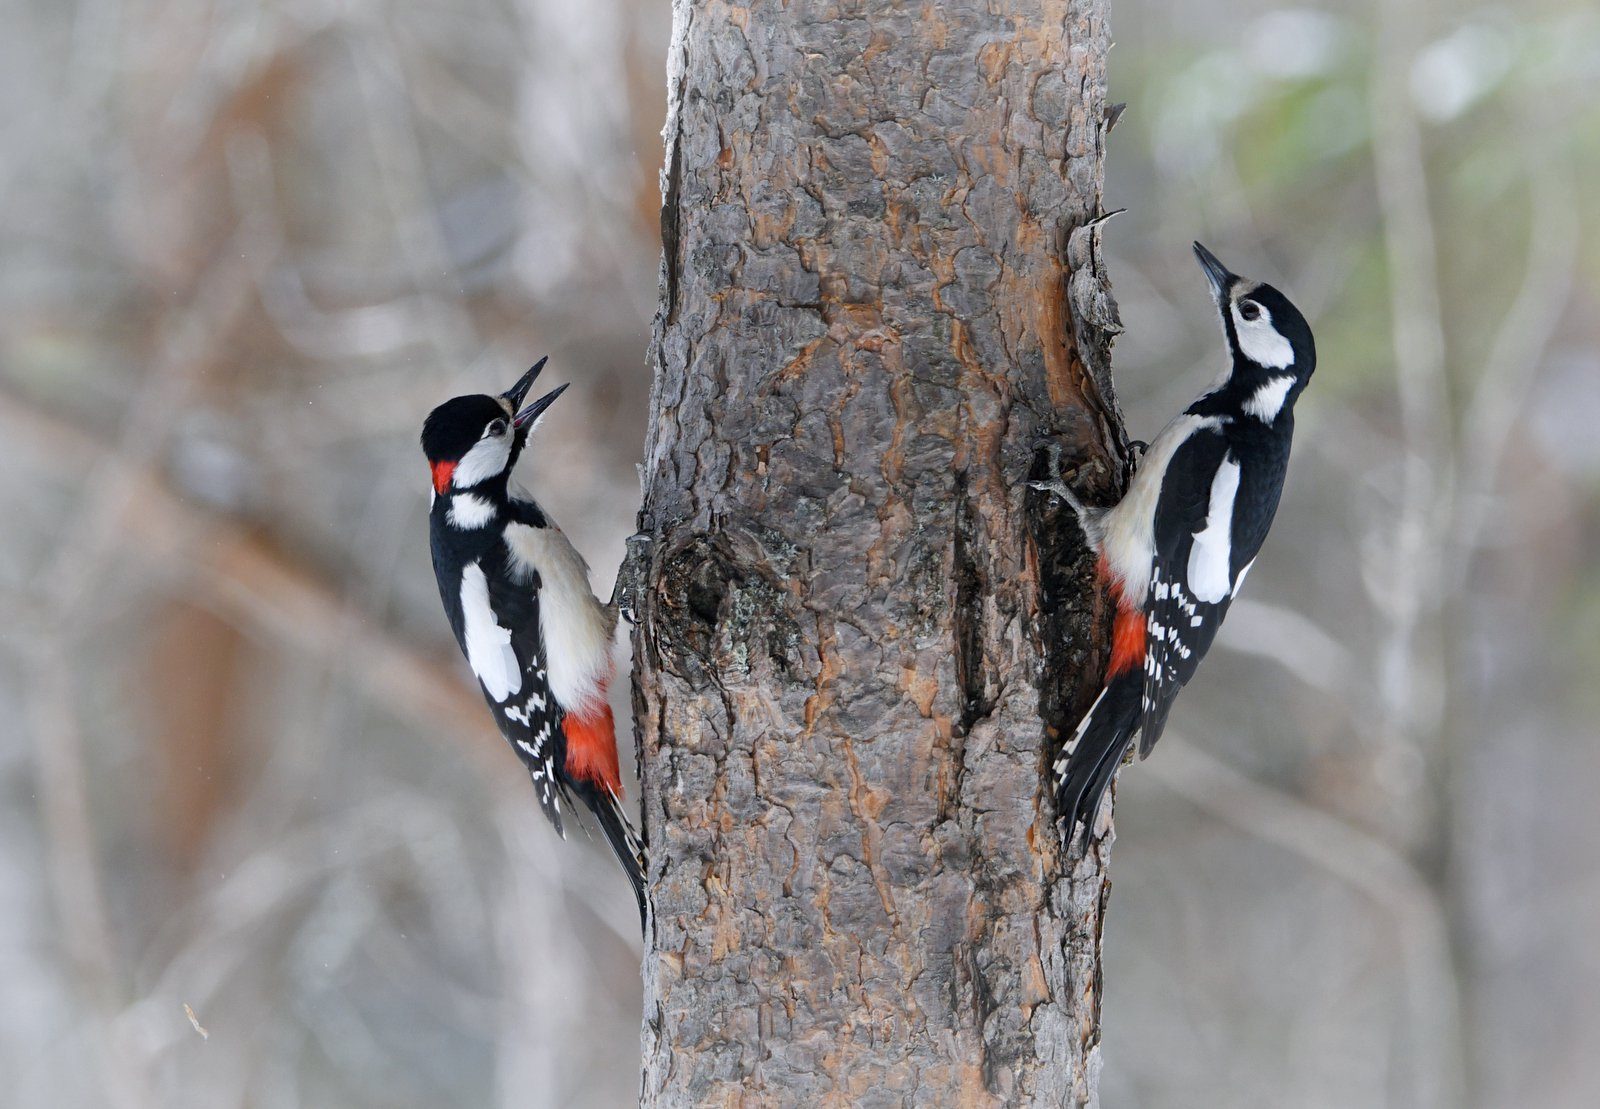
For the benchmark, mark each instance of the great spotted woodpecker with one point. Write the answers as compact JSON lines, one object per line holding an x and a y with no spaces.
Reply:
{"x":1175,"y":550}
{"x":518,"y":599}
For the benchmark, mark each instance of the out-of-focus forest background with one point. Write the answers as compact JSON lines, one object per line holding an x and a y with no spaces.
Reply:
{"x":248,"y":246}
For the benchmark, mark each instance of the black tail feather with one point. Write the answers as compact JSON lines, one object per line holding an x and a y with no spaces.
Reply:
{"x":1085,"y":768}
{"x":1095,"y":791}
{"x":625,"y":843}
{"x":618,"y":830}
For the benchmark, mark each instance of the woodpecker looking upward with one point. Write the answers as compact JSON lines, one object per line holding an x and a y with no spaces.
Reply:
{"x":1175,"y":550}
{"x":518,"y":599}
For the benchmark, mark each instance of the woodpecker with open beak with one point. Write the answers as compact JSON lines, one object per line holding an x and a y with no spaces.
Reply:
{"x":518,"y":599}
{"x":1175,"y":550}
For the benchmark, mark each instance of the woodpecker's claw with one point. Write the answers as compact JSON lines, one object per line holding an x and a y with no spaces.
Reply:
{"x":630,"y":575}
{"x":1057,"y":485}
{"x":1058,"y":488}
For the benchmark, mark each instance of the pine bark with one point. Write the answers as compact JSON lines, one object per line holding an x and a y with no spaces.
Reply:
{"x":860,"y":633}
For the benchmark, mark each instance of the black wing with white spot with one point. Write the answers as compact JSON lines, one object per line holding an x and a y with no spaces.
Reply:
{"x":1181,"y":620}
{"x":529,"y":718}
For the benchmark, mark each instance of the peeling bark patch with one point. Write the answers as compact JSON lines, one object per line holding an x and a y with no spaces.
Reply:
{"x":669,"y":233}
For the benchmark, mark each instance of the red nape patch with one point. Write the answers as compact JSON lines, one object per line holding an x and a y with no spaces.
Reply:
{"x":592,"y":748}
{"x":442,"y":472}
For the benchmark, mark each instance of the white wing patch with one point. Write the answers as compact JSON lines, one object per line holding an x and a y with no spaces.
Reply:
{"x":1267,"y":401}
{"x":577,"y":629}
{"x":489,"y":651}
{"x":1209,"y":558}
{"x":1129,"y":542}
{"x":469,"y":512}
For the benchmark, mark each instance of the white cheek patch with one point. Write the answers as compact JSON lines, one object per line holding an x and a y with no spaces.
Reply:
{"x":469,"y":512}
{"x":1209,"y":558}
{"x":489,"y":651}
{"x":1266,"y":402}
{"x":488,"y":458}
{"x":1260,"y":341}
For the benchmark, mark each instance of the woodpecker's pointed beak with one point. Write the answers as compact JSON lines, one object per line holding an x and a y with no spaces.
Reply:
{"x":1216,"y":273}
{"x":530,"y":415}
{"x":514,"y":395}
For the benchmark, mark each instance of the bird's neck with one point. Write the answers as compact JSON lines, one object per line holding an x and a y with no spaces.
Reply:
{"x":470,"y":511}
{"x":1262,"y":395}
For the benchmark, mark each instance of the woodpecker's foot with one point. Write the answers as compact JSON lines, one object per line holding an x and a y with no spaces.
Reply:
{"x":630,"y":577}
{"x":1058,"y":488}
{"x":1057,"y":485}
{"x":1136,"y":449}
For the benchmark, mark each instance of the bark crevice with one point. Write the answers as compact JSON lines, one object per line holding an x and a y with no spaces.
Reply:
{"x":967,"y":616}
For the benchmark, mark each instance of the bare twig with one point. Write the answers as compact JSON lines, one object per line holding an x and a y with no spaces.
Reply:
{"x":1293,"y":641}
{"x":1518,"y":349}
{"x":1408,"y":680}
{"x":1360,"y":861}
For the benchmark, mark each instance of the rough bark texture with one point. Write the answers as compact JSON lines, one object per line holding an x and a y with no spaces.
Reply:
{"x":860,"y":633}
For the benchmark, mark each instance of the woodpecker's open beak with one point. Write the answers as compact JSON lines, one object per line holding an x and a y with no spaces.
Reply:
{"x":513,"y":396}
{"x":1216,"y":273}
{"x":530,"y":415}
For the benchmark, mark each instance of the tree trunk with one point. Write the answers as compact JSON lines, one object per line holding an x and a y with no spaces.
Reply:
{"x":860,"y":633}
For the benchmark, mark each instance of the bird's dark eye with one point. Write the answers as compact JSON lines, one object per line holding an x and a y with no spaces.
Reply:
{"x":1249,"y":310}
{"x":497,"y":428}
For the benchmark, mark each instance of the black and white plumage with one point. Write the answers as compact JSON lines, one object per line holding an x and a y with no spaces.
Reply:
{"x":1175,"y":550}
{"x":517,"y":596}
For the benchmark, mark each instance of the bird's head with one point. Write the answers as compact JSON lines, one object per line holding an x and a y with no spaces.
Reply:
{"x":1266,"y":333}
{"x":474,"y":440}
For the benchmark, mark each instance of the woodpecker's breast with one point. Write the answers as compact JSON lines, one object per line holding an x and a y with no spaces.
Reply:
{"x":1128,"y":541}
{"x":576,"y":628}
